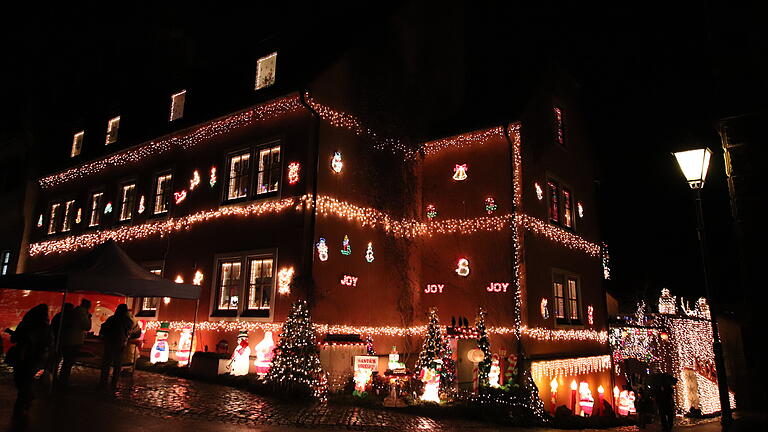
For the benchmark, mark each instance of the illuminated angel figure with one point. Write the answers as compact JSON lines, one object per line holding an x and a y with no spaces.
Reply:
{"x":460,"y":172}
{"x":336,"y":163}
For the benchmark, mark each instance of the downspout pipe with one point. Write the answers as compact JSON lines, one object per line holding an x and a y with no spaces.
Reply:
{"x":309,"y":225}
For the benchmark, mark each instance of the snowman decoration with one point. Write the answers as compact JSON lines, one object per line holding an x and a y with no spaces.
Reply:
{"x":495,"y":373}
{"x":238,"y":365}
{"x":160,"y":349}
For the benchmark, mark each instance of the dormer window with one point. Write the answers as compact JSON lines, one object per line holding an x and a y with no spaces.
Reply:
{"x":265,"y":71}
{"x":177,"y":105}
{"x":112,"y":127}
{"x":77,"y":144}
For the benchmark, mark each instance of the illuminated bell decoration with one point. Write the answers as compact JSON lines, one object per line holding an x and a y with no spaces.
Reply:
{"x":284,"y":278}
{"x":431,"y":211}
{"x":195,"y":180}
{"x":180,"y":196}
{"x":198,"y":279}
{"x":369,"y":253}
{"x":142,"y":207}
{"x":79,"y":217}
{"x":539,"y":191}
{"x":336,"y":163}
{"x":108,"y":208}
{"x":544,"y":308}
{"x":322,"y":250}
{"x":462,"y":267}
{"x":460,"y":172}
{"x":40,"y":221}
{"x":293,"y":172}
{"x":160,"y":349}
{"x":213,"y":179}
{"x":346,"y":248}
{"x":490,"y":205}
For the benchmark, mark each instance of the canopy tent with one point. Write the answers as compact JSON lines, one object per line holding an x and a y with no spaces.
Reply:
{"x":107,"y":269}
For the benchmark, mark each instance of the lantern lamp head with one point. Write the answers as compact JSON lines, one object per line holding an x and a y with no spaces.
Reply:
{"x":694,"y":165}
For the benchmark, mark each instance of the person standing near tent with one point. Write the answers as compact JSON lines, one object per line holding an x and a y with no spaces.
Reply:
{"x":32,"y":338}
{"x":77,"y":321}
{"x":116,"y":331}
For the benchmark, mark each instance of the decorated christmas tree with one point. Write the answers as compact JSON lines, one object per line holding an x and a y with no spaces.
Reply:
{"x":485,"y":346}
{"x":448,"y":372}
{"x":296,"y":364}
{"x":433,"y":345}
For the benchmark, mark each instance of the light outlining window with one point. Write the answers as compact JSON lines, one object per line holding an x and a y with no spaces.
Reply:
{"x":127,"y":198}
{"x":69,"y":216}
{"x":97,"y":198}
{"x":269,"y":170}
{"x":148,"y":305}
{"x":244,"y":286}
{"x":77,"y":144}
{"x":177,"y":105}
{"x":162,"y":194}
{"x":239,"y":176}
{"x":266,"y":69}
{"x":54,"y":213}
{"x":559,"y":129}
{"x":566,"y":293}
{"x":112,"y":128}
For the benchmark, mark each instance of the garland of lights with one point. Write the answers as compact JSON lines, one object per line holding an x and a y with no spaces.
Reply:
{"x":537,"y":333}
{"x":570,"y":367}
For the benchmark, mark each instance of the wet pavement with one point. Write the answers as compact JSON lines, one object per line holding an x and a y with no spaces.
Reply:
{"x":152,"y":402}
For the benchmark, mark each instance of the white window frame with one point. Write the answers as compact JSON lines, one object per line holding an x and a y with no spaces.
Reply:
{"x":77,"y":144}
{"x":5,"y":262}
{"x":95,"y":212}
{"x":53,"y":222}
{"x":269,"y":147}
{"x":167,"y":197}
{"x":68,"y":217}
{"x":126,"y":205}
{"x":568,"y":310}
{"x":113,"y":127}
{"x":177,"y":105}
{"x":262,"y":69}
{"x":242,"y":312}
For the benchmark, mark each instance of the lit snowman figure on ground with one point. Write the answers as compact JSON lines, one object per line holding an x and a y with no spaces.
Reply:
{"x":495,"y":372}
{"x":241,"y":356}
{"x":185,"y":345}
{"x":159,"y":352}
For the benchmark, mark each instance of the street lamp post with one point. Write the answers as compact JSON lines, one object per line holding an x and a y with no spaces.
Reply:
{"x":694,"y":164}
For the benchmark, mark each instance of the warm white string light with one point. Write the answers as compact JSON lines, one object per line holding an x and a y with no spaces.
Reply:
{"x":570,"y":367}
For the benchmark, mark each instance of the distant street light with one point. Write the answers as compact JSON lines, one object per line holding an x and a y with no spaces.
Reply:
{"x":694,"y":165}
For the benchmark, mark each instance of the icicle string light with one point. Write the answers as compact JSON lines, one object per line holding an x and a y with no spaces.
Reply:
{"x":570,"y":367}
{"x":326,"y":206}
{"x":463,"y":140}
{"x":267,"y":111}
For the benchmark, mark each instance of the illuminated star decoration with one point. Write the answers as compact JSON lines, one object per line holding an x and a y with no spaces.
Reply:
{"x":462,"y":267}
{"x":195,"y":180}
{"x":293,"y":172}
{"x":336,"y":163}
{"x":213,"y":179}
{"x":322,"y":250}
{"x":460,"y":172}
{"x":490,"y":205}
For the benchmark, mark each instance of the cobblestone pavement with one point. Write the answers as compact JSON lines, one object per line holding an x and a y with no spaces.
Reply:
{"x":157,"y":402}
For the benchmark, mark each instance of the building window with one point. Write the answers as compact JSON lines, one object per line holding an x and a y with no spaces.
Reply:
{"x":162,"y":196}
{"x":228,"y":285}
{"x":260,"y":284}
{"x":239,"y":175}
{"x":559,"y":130}
{"x":560,"y":205}
{"x":567,"y":208}
{"x":269,"y":170}
{"x":96,"y":201}
{"x":177,"y":105}
{"x":566,"y":290}
{"x":245,"y":286}
{"x":77,"y":144}
{"x":148,"y":305}
{"x":554,"y":205}
{"x":112,"y":126}
{"x":54,"y":217}
{"x":127,"y":199}
{"x":5,"y":262}
{"x":265,"y":71}
{"x":69,"y":215}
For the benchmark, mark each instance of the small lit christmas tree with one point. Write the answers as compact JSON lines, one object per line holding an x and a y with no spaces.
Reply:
{"x":485,"y":346}
{"x":433,"y":345}
{"x":296,"y":363}
{"x":448,"y":372}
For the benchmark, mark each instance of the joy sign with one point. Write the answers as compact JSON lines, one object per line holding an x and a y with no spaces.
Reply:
{"x":349,"y":280}
{"x":434,"y":288}
{"x":497,"y":287}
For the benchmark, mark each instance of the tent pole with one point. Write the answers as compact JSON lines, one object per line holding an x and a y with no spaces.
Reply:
{"x":194,"y":327}
{"x":54,"y":372}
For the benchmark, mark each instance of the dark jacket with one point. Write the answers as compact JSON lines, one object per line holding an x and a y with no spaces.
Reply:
{"x":32,"y":341}
{"x":117,"y":329}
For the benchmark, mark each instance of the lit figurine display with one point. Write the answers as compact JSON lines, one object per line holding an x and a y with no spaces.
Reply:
{"x":431,"y":378}
{"x":586,"y":401}
{"x":264,"y":354}
{"x":184,"y":348}
{"x":495,"y":372}
{"x":159,"y":352}
{"x":239,"y":363}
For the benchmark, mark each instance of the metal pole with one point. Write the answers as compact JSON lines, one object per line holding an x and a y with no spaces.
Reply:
{"x":726,"y":417}
{"x":194,"y":327}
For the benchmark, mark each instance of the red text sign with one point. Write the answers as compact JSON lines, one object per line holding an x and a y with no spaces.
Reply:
{"x":497,"y":287}
{"x":349,"y":280}
{"x":434,"y":288}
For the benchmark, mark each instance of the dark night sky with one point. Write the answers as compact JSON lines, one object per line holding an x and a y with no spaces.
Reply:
{"x":654,"y":77}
